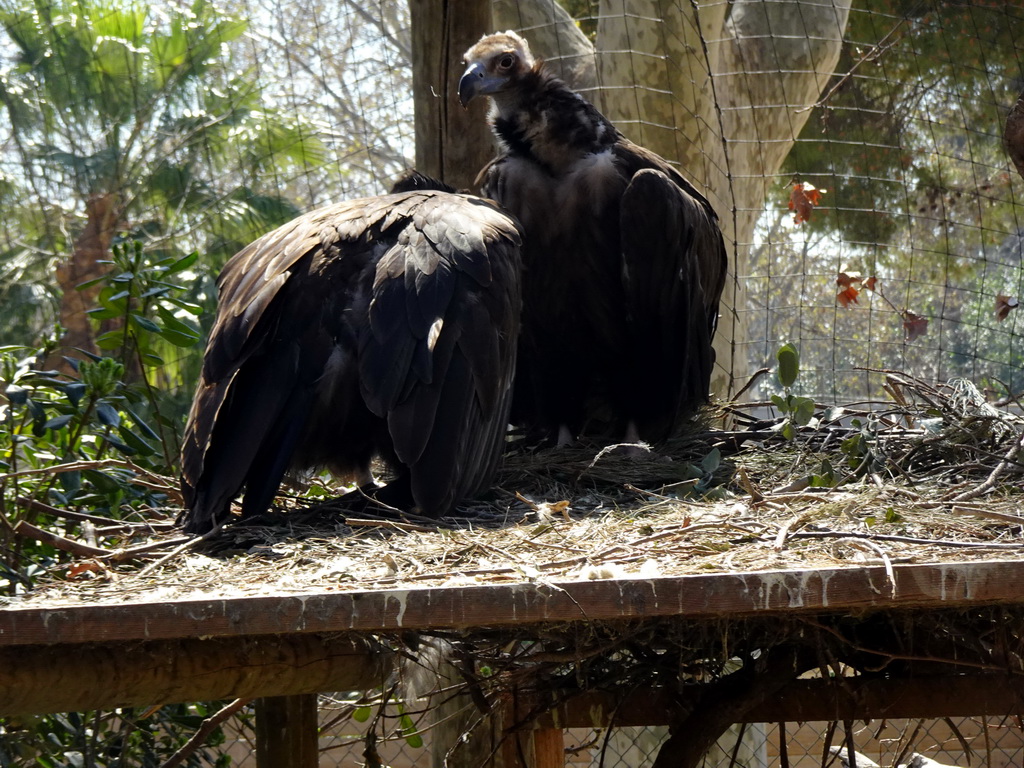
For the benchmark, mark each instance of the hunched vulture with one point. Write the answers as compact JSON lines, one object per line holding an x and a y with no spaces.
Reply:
{"x":623,"y":259}
{"x":380,"y":326}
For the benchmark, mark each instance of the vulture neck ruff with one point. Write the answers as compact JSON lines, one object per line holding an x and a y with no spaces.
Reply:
{"x":541,"y":118}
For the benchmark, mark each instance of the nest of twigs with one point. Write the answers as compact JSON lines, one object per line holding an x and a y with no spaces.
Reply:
{"x":933,"y":474}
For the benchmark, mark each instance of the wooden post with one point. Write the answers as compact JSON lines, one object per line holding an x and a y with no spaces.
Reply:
{"x":548,"y":748}
{"x":286,"y":732}
{"x":536,"y":748}
{"x":452,"y":143}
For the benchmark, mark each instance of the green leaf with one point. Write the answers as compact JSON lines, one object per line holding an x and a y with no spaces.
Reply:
{"x":145,"y":323}
{"x":110,"y":340}
{"x":711,"y":461}
{"x":105,"y":312}
{"x":788,"y":431}
{"x":17,"y":395}
{"x":141,"y":424}
{"x":108,"y":415}
{"x":412,"y":738}
{"x":101,"y":481}
{"x":188,"y":306}
{"x":789,"y":365}
{"x":361,"y":714}
{"x":803,"y":410}
{"x":124,"y":448}
{"x":780,"y":403}
{"x":180,"y":334}
{"x":58,"y":422}
{"x":74,"y":392}
{"x":134,"y":441}
{"x":183,"y":263}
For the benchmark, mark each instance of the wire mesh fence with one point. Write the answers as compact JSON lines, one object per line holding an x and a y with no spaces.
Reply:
{"x":854,"y":154}
{"x":961,"y":742}
{"x":860,"y":144}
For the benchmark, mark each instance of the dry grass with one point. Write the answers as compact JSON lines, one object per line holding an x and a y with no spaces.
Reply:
{"x":931,"y":476}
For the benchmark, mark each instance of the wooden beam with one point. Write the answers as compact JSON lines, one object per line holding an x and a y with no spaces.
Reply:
{"x":452,"y":143}
{"x":852,"y":698}
{"x":548,"y":748}
{"x":287,"y":732}
{"x":710,"y":596}
{"x":60,"y":678}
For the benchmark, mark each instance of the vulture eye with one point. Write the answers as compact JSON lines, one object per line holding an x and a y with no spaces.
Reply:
{"x":506,"y":61}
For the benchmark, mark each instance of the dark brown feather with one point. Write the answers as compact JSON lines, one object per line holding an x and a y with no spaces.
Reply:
{"x":380,"y":326}
{"x":624,"y":261}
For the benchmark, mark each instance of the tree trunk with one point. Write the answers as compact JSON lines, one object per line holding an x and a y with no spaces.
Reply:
{"x":554,"y":37}
{"x":452,"y":143}
{"x":90,"y":247}
{"x":721,"y":89}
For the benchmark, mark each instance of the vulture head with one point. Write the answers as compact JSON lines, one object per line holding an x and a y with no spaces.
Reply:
{"x":494,"y":65}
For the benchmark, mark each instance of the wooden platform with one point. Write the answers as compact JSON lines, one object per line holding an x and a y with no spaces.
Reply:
{"x":837,"y":590}
{"x":58,"y":657}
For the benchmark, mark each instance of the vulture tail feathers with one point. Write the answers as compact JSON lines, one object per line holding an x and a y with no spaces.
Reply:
{"x":666,"y":265}
{"x":363,"y":328}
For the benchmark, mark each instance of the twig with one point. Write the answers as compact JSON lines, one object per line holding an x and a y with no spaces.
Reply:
{"x":37,"y":506}
{"x":990,"y":481}
{"x":178,"y":550}
{"x":1002,"y":516}
{"x":875,"y":51}
{"x":751,"y":381}
{"x":129,"y":553}
{"x":889,"y":572}
{"x":26,"y":530}
{"x":355,"y":522}
{"x":208,"y":726}
{"x":904,"y":539}
{"x":780,"y":538}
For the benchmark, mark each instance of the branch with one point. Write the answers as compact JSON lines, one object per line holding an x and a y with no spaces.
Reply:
{"x":26,"y":530}
{"x":203,"y":732}
{"x":725,"y":702}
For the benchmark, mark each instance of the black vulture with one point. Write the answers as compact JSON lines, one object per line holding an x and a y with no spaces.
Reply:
{"x":624,"y":262}
{"x":380,"y":326}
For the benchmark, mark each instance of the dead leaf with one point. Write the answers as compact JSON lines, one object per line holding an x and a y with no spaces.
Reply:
{"x":1004,"y":304}
{"x":802,"y":199}
{"x":76,"y":570}
{"x":847,"y":296}
{"x":915,"y":325}
{"x":846,"y":279}
{"x":869,"y":284}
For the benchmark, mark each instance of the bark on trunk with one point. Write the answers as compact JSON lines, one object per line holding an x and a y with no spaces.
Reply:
{"x":722,"y":89}
{"x":92,"y":246}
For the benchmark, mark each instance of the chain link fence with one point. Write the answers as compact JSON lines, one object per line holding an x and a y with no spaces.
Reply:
{"x":962,"y":742}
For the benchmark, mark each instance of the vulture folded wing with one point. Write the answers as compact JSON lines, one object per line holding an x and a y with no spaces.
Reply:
{"x":437,"y":355}
{"x":674,"y":263}
{"x":254,"y":392}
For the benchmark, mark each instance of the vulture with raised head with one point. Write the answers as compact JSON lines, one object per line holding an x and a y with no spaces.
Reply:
{"x":381,"y":326}
{"x":623,"y":259}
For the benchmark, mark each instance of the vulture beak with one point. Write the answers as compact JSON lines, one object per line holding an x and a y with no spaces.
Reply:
{"x":475,"y":81}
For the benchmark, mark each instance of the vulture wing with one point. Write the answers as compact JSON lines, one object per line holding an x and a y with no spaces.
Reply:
{"x":255,"y":387}
{"x":674,"y":264}
{"x":379,"y":325}
{"x":437,"y":356}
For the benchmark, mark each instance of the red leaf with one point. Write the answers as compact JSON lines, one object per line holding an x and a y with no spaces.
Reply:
{"x":76,"y":570}
{"x":915,"y":325}
{"x":869,"y":284}
{"x":1003,"y":306}
{"x":846,"y":279}
{"x":847,"y":296}
{"x":802,"y":199}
